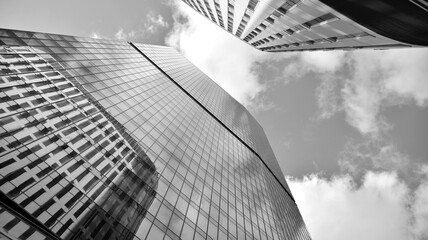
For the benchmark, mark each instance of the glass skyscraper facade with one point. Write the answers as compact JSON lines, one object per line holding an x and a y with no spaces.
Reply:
{"x":103,"y":139}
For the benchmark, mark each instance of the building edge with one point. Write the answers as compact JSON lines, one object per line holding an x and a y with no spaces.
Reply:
{"x":218,"y":120}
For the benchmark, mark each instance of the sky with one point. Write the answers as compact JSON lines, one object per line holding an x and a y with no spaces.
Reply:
{"x":349,"y":128}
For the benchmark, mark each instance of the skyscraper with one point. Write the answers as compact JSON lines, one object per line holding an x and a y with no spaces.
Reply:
{"x":298,"y":25}
{"x":103,"y":139}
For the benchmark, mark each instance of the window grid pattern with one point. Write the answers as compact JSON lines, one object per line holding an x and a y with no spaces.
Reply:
{"x":197,"y":7}
{"x":218,"y":11}
{"x":301,"y":27}
{"x":281,"y":11}
{"x":230,"y":12}
{"x":210,"y":185}
{"x":207,"y":5}
{"x":13,"y":227}
{"x":62,"y":160}
{"x":247,"y":15}
{"x":217,"y":101}
{"x":203,"y":10}
{"x":316,"y":41}
{"x":202,"y":88}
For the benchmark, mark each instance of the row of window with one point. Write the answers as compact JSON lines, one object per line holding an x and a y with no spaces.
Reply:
{"x":301,"y":27}
{"x":282,"y":10}
{"x":316,"y":41}
{"x":247,"y":15}
{"x":230,"y":12}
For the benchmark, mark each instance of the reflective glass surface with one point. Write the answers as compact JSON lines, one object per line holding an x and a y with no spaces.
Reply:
{"x":104,"y":140}
{"x":217,"y":101}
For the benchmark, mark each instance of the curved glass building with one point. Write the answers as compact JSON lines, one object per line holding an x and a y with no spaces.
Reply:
{"x":103,"y":139}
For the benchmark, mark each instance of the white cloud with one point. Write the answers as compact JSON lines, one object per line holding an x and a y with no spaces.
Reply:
{"x":328,"y":99}
{"x":95,"y":35}
{"x":323,"y":61}
{"x":363,"y":92}
{"x":420,"y":209}
{"x":358,"y":92}
{"x":224,"y":58}
{"x":151,"y":24}
{"x":325,"y":64}
{"x":380,"y":79}
{"x":123,"y":35}
{"x":380,"y":155}
{"x":120,"y":34}
{"x":406,"y":73}
{"x":362,"y":83}
{"x":154,"y":22}
{"x":383,"y":207}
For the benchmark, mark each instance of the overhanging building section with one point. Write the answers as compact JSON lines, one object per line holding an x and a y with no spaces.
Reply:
{"x":403,"y":21}
{"x":105,"y":139}
{"x":298,"y":25}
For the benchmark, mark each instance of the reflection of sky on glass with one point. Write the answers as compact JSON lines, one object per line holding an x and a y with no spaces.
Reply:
{"x":79,"y":137}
